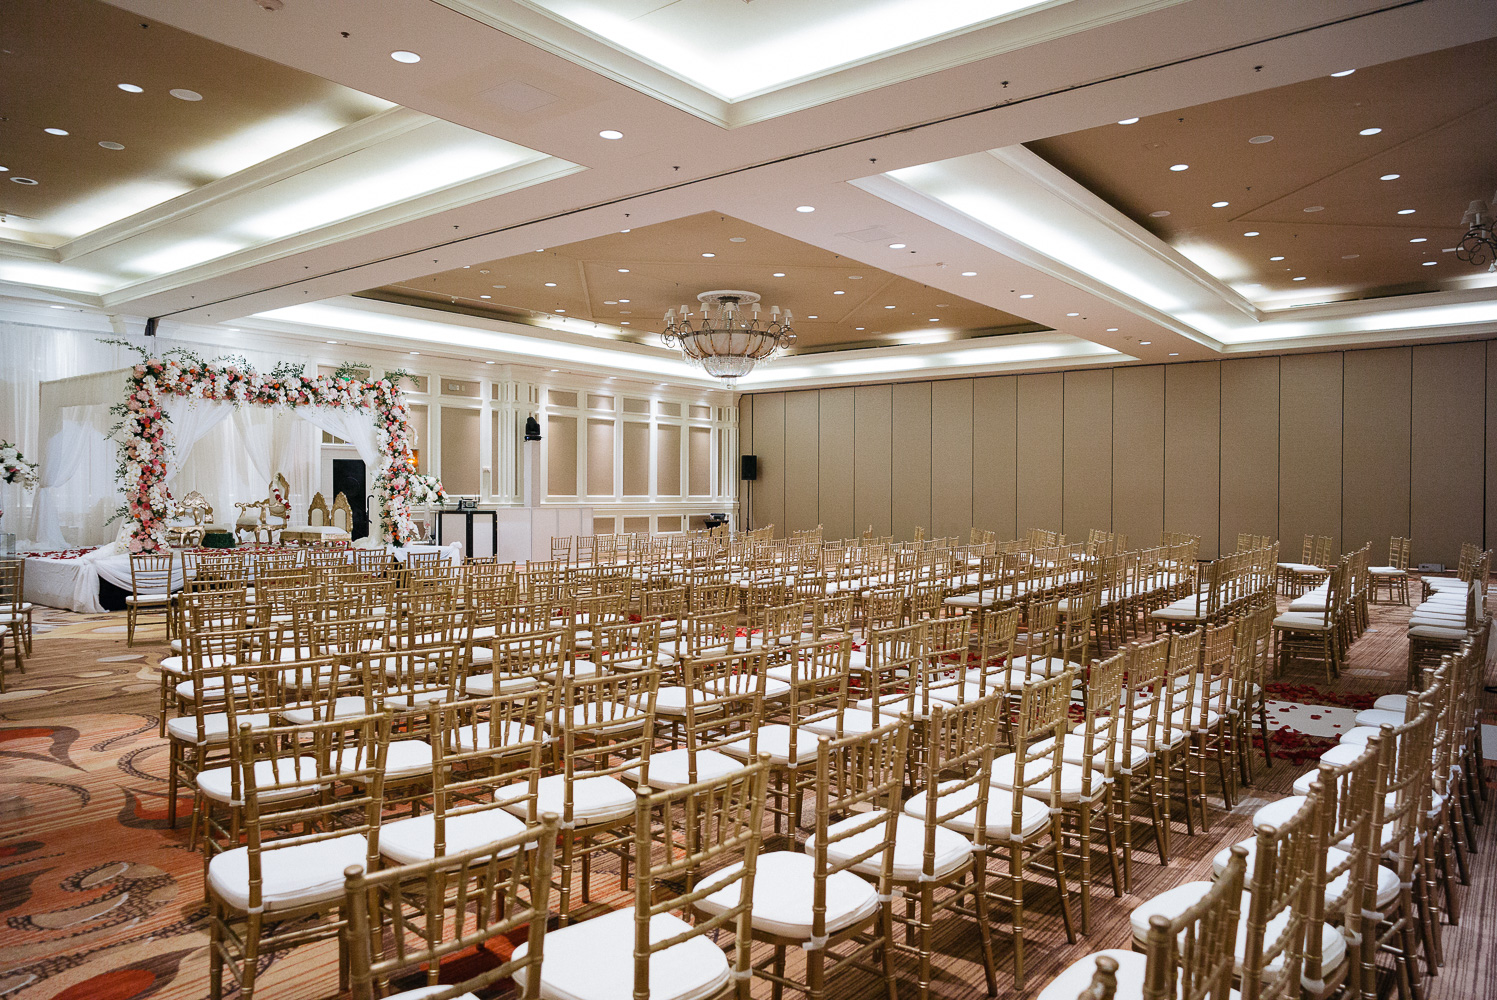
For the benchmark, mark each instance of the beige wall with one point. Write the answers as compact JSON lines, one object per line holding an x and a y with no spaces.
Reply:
{"x":460,"y":449}
{"x":1358,"y":445}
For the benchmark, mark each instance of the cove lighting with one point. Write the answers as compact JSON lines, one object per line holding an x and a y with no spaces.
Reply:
{"x":610,"y":133}
{"x":405,"y":56}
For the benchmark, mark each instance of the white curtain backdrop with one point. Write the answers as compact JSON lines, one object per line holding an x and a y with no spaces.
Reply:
{"x":77,"y":494}
{"x":191,"y":420}
{"x":357,"y":428}
{"x":236,"y":460}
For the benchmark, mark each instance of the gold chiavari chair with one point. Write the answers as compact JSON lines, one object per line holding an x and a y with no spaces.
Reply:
{"x":1393,"y":579}
{"x":407,"y":919}
{"x":151,"y":580}
{"x":15,"y":615}
{"x":1141,"y":775}
{"x":1206,"y":716}
{"x":1174,"y":739}
{"x":1035,"y":831}
{"x":722,"y":699}
{"x":485,"y":769}
{"x":199,"y":609}
{"x":300,"y":837}
{"x":516,"y":661}
{"x":833,"y":900}
{"x":1189,"y":957}
{"x":681,"y":834}
{"x":890,"y":670}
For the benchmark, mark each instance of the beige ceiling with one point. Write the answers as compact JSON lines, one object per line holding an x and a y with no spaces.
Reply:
{"x":1437,"y":113}
{"x":665,"y":268}
{"x":61,"y":65}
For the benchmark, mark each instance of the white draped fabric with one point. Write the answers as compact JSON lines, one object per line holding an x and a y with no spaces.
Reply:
{"x":237,"y":458}
{"x":77,"y":494}
{"x":191,"y":420}
{"x":354,"y":426}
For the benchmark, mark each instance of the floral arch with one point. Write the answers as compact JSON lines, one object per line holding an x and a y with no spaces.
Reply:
{"x":147,"y":443}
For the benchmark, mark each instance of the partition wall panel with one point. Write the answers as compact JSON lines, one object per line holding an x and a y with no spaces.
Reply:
{"x":873,"y":458}
{"x":951,"y":458}
{"x":911,"y":448}
{"x":1086,"y":468}
{"x":1041,"y":425}
{"x":769,"y":445}
{"x":1192,"y":451}
{"x":837,"y":434}
{"x":1250,"y":449}
{"x":802,"y":460}
{"x":1310,"y":413}
{"x":995,"y":436}
{"x":1138,"y":454}
{"x":1375,"y":448}
{"x":1446,"y":467}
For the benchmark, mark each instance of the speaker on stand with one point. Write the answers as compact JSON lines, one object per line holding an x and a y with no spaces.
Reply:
{"x":748,"y":471}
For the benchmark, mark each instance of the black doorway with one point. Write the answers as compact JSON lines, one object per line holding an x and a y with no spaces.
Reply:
{"x":348,"y":479}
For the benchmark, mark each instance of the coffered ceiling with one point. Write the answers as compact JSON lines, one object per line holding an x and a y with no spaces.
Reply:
{"x":357,"y":165}
{"x":1352,"y":186}
{"x":626,"y":281}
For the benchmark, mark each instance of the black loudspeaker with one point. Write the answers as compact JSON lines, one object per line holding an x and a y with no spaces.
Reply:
{"x":748,"y":467}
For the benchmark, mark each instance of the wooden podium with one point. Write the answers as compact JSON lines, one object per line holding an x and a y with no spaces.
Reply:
{"x":478,"y":530}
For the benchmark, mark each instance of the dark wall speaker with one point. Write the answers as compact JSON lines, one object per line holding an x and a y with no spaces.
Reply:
{"x":748,"y":467}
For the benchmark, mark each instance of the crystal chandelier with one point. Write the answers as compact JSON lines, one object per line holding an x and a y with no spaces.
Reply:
{"x":1478,"y":246}
{"x":724,"y":341}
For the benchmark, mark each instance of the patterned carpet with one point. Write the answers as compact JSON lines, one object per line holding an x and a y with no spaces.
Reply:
{"x":101,"y":901}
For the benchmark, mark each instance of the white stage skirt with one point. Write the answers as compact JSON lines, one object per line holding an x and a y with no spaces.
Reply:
{"x":73,"y":584}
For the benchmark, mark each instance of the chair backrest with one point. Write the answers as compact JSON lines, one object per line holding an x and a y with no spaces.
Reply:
{"x":958,"y":756}
{"x":1278,"y":909}
{"x":1104,"y":984}
{"x":1148,"y":695}
{"x":410,"y":917}
{"x":1101,"y":722}
{"x":859,"y":775}
{"x":1192,"y":956}
{"x":1345,"y":821}
{"x":1184,"y":664}
{"x":1043,"y":712}
{"x":151,"y":573}
{"x":342,"y":513}
{"x":678,"y":835}
{"x":317,"y":513}
{"x":481,"y":744}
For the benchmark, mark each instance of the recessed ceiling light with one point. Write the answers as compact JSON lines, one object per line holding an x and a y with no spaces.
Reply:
{"x":4,"y":170}
{"x":1350,"y":256}
{"x":1369,"y":131}
{"x":1315,"y":208}
{"x":623,"y":270}
{"x":1112,"y":329}
{"x":859,"y":328}
{"x":888,"y":307}
{"x":1073,"y":314}
{"x":813,"y":317}
{"x":561,"y":310}
{"x":130,"y":88}
{"x":623,"y":230}
{"x":183,"y":94}
{"x":405,"y":56}
{"x":488,"y":362}
{"x":415,"y":352}
{"x":1144,"y":343}
{"x":1390,"y":177}
{"x":805,"y":208}
{"x":610,"y":302}
{"x":1344,"y":72}
{"x":737,"y":239}
{"x":485,"y":296}
{"x":331,"y":341}
{"x":934,"y":320}
{"x":896,"y":246}
{"x":1259,"y":140}
{"x":610,"y":133}
{"x":1252,"y":232}
{"x":1276,"y":258}
{"x":969,"y":274}
{"x":1174,"y":354}
{"x":623,"y":322}
{"x":839,"y":292}
{"x":1300,"y":278}
{"x":1159,"y":214}
{"x":550,"y":284}
{"x":1220,"y":204}
{"x":854,"y":277}
{"x":1128,"y":121}
{"x":555,"y":370}
{"x":1430,"y":263}
{"x":1419,"y":239}
{"x":709,"y":255}
{"x":1405,"y":211}
{"x":111,"y":145}
{"x":1180,"y":166}
{"x":24,"y":180}
{"x":55,"y":131}
{"x":1027,"y":295}
{"x":625,"y":301}
{"x":498,"y":286}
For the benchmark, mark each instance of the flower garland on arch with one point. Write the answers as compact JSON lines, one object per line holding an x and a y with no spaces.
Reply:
{"x":146,"y":440}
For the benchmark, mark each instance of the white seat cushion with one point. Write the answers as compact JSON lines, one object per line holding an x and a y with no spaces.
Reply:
{"x":1376,"y":717}
{"x":407,"y":841}
{"x":1392,"y":703}
{"x":670,"y":769}
{"x":597,"y":799}
{"x":404,"y":759}
{"x":343,"y":708}
{"x":1437,"y":632}
{"x":1071,"y":779}
{"x":775,"y":741}
{"x":1078,"y":976}
{"x":1034,"y":815}
{"x":855,"y":722}
{"x":476,"y":736}
{"x":1278,"y":812}
{"x":291,"y":876}
{"x":784,"y":888}
{"x":217,"y":783}
{"x":1073,"y":750}
{"x":215,"y":726}
{"x":952,"y":850}
{"x":429,"y":991}
{"x":745,"y":684}
{"x":482,"y":685}
{"x":594,"y":960}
